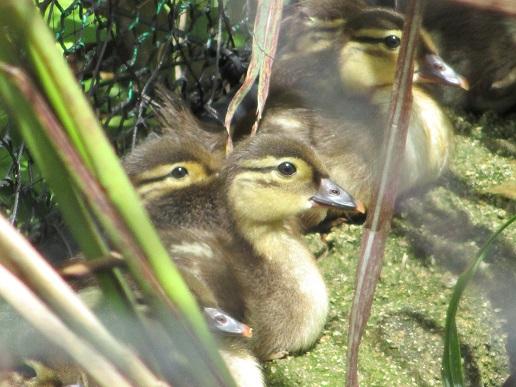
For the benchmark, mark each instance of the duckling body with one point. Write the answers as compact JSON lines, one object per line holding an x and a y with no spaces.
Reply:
{"x":429,"y":139}
{"x":172,"y":165}
{"x":283,"y":284}
{"x":285,"y":294}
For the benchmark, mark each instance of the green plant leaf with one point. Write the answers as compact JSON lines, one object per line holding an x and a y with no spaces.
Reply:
{"x":452,"y":374}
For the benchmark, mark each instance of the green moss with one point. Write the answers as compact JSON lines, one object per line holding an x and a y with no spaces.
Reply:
{"x":435,"y":235}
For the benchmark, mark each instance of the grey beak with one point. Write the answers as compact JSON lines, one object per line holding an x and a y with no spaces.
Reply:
{"x":435,"y":70}
{"x":332,"y":195}
{"x":222,"y":323}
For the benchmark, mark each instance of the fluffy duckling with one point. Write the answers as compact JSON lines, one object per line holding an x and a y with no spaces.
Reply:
{"x":266,"y":181}
{"x":169,"y":163}
{"x":203,"y":260}
{"x":343,"y":114}
{"x":479,"y":43}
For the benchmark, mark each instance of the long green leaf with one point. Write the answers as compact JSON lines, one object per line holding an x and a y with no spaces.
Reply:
{"x":452,"y":373}
{"x":37,"y":313}
{"x":104,"y":211}
{"x":84,"y":132}
{"x":20,"y":254}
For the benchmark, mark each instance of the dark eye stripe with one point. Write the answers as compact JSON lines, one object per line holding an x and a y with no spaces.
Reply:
{"x":153,"y":179}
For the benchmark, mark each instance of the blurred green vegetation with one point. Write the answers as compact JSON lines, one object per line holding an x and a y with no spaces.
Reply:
{"x":118,"y":51}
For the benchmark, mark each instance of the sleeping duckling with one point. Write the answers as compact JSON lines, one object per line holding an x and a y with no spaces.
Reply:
{"x":347,"y":108}
{"x":266,"y":181}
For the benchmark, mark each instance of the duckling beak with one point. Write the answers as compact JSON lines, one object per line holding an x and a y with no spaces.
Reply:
{"x":435,"y":70}
{"x":332,"y":195}
{"x":222,"y":323}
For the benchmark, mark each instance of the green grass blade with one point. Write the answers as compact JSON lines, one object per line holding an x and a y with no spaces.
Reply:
{"x":37,"y":313}
{"x":68,"y":101}
{"x":452,"y":374}
{"x":18,"y":252}
{"x":120,"y":213}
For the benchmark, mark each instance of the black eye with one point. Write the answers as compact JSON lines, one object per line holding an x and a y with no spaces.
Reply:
{"x":179,"y":172}
{"x":392,"y":41}
{"x":286,"y":168}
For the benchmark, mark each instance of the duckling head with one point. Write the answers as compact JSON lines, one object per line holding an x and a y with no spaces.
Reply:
{"x":367,"y":61}
{"x":163,"y":164}
{"x":270,"y":178}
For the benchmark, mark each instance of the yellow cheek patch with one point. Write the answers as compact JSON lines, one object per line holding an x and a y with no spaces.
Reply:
{"x":161,"y":182}
{"x":363,"y":66}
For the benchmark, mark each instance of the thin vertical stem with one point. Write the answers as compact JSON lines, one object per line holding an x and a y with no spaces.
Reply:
{"x":380,"y":213}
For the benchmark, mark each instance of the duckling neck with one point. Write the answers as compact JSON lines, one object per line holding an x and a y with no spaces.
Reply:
{"x":285,"y":278}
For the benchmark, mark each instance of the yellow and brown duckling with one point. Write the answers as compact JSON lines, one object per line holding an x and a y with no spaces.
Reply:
{"x":480,"y":44}
{"x":164,"y":164}
{"x":203,"y":261}
{"x":343,"y":84}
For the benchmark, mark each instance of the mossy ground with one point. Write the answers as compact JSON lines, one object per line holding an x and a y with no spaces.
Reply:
{"x":435,"y":235}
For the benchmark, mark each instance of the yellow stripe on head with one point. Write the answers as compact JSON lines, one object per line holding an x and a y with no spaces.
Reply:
{"x":167,"y":178}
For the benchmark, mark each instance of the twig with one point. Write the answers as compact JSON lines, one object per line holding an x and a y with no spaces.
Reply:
{"x":82,"y":268}
{"x":380,"y":213}
{"x":14,"y":211}
{"x":178,"y":70}
{"x":102,"y":52}
{"x":144,"y":99}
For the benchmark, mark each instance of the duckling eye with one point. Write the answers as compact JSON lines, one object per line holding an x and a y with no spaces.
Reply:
{"x":179,"y":172}
{"x":392,"y":41}
{"x":287,"y":169}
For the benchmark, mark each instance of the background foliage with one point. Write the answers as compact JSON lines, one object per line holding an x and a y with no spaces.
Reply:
{"x":119,"y":50}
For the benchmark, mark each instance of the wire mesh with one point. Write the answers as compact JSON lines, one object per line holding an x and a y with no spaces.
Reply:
{"x":119,"y":50}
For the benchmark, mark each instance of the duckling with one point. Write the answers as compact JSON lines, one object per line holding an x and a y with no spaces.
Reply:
{"x":343,"y":114}
{"x":202,"y":259}
{"x":266,"y":182}
{"x":481,"y":44}
{"x":167,"y":163}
